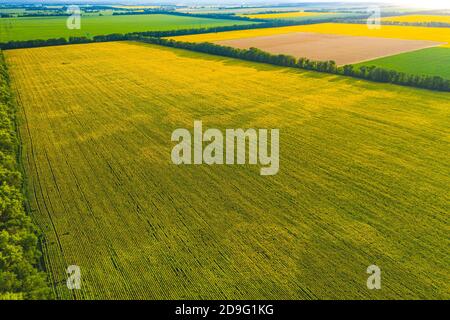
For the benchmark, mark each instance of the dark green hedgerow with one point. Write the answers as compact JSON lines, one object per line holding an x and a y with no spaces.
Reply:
{"x":19,"y":244}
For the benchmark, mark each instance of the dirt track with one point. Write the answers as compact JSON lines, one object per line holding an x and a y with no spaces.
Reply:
{"x":319,"y":46}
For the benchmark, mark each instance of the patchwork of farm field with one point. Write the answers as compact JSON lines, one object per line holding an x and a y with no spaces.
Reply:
{"x":432,"y":61}
{"x":322,"y":47}
{"x":396,"y":32}
{"x":419,"y":18}
{"x":55,"y":27}
{"x":363,"y":178}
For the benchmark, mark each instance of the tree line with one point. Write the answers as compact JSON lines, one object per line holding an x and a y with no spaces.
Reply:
{"x":20,"y":277}
{"x":371,"y":73}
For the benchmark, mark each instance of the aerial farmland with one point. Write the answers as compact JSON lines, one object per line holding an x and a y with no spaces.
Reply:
{"x":93,"y":120}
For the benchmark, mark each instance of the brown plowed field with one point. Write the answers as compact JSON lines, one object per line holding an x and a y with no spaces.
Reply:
{"x":340,"y":48}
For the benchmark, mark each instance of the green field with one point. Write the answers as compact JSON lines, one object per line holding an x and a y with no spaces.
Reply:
{"x":55,"y":27}
{"x":364,"y":176}
{"x":432,"y":61}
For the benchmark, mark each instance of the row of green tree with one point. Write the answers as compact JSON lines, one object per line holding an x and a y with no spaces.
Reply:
{"x":253,"y":54}
{"x":19,"y":245}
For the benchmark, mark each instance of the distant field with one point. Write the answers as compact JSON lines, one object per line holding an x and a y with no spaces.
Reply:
{"x":135,"y":7}
{"x":363,"y":179}
{"x":322,"y":47}
{"x":55,"y":27}
{"x":286,"y":15}
{"x":396,"y":32}
{"x":419,"y":18}
{"x":243,"y":10}
{"x":432,"y":61}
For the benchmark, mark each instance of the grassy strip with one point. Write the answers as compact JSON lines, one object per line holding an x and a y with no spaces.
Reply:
{"x":19,"y":243}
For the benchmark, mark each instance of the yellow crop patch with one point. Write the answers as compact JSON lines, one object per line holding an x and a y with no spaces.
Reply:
{"x":419,"y":18}
{"x":398,"y":32}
